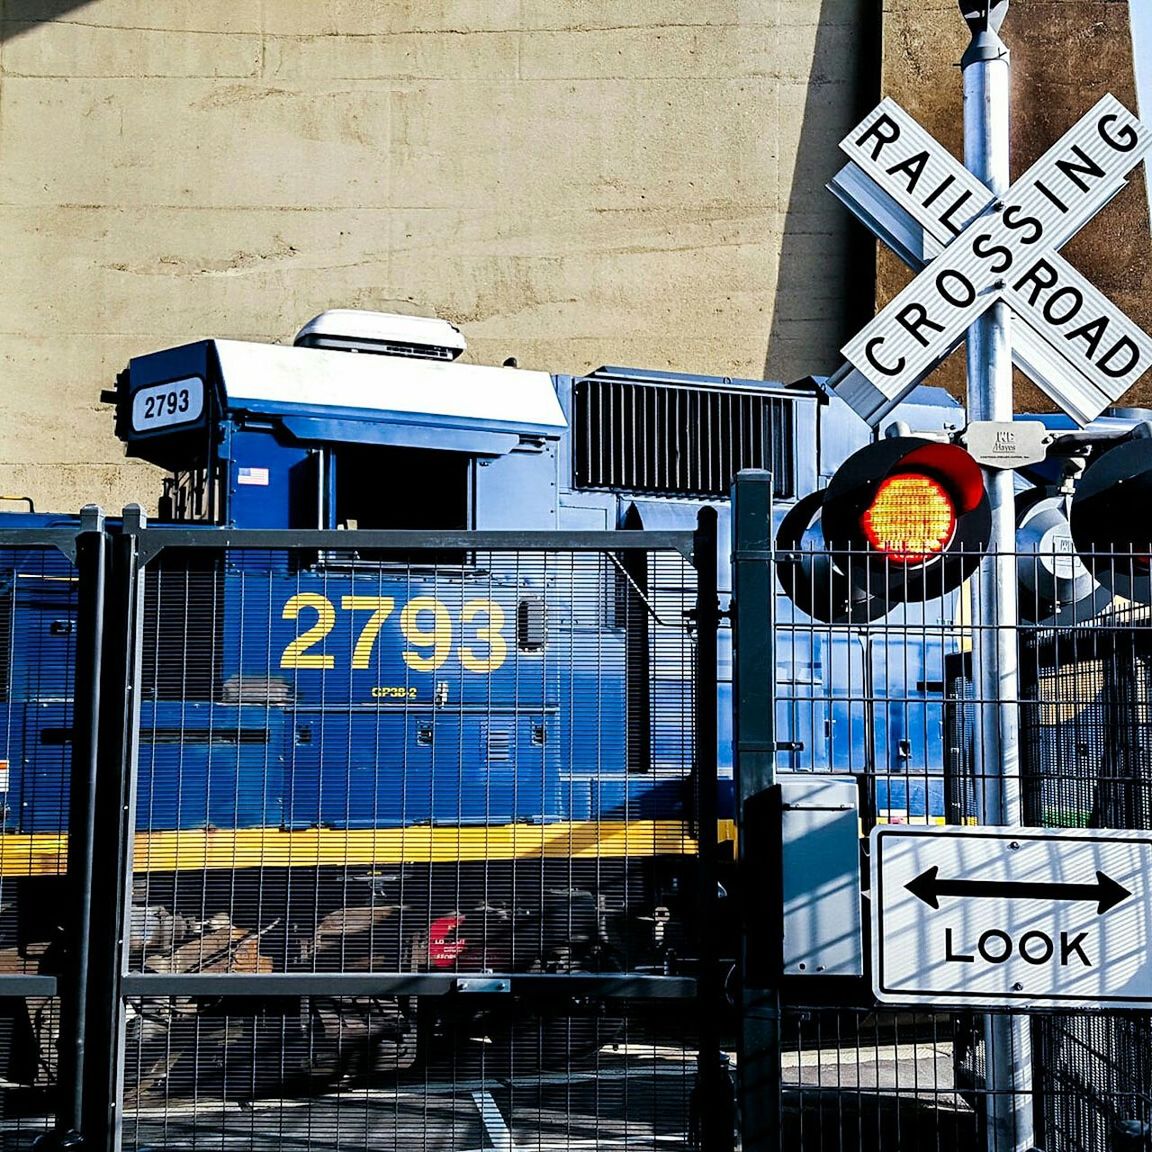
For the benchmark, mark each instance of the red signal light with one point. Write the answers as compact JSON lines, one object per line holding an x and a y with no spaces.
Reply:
{"x":903,"y":519}
{"x":911,"y":518}
{"x":907,"y":517}
{"x":810,"y":576}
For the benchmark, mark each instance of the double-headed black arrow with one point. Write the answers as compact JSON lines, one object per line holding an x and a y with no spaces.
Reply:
{"x":1105,"y":893}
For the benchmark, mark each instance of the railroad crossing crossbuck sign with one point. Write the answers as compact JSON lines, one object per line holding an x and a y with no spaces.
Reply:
{"x":1011,"y":917}
{"x":978,"y":248}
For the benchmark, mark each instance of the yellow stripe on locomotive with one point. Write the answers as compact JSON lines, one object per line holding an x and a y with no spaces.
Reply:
{"x":246,"y":848}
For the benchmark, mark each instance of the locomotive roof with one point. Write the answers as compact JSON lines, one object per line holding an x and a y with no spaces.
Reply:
{"x":275,"y":378}
{"x":312,"y":387}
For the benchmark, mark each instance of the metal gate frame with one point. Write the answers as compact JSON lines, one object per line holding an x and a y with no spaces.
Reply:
{"x":96,"y":982}
{"x":757,"y":809}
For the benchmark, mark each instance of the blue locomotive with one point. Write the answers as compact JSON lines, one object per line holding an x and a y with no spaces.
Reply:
{"x":382,"y":759}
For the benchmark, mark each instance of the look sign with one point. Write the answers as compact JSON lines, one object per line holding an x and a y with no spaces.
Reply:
{"x":998,"y":249}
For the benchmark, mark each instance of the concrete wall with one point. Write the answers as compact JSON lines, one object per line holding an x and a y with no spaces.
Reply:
{"x":575,"y":182}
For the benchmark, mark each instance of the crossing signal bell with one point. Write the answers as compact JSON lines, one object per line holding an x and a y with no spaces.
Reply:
{"x":903,"y":519}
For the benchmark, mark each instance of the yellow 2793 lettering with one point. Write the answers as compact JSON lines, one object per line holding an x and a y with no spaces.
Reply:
{"x":425,"y":623}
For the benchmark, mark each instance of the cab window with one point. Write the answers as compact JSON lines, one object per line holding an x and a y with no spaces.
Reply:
{"x":401,"y":489}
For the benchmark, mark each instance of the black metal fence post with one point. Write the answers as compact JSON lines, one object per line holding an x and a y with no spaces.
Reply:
{"x":713,"y":1120}
{"x":91,"y":560}
{"x":112,"y":839}
{"x":754,"y":664}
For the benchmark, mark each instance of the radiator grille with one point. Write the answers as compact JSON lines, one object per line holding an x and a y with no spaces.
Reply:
{"x":677,"y":439}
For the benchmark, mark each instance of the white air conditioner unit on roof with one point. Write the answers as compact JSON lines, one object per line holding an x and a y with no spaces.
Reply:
{"x":383,"y":334}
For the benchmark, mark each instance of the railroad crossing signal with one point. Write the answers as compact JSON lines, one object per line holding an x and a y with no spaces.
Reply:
{"x":1011,"y":917}
{"x":904,"y":518}
{"x":1078,"y":346}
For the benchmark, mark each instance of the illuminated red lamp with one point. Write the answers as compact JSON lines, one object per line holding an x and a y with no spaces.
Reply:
{"x":911,"y":518}
{"x":907,"y":517}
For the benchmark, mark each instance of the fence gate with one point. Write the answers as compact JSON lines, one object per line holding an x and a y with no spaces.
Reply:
{"x":884,"y":699}
{"x":45,"y":666}
{"x":406,"y":844}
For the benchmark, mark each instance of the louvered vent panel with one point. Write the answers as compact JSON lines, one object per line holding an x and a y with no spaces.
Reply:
{"x":183,"y":643}
{"x":675,"y":439}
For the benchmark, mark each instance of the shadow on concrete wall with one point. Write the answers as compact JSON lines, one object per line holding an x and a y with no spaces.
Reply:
{"x":810,"y":320}
{"x":19,"y":16}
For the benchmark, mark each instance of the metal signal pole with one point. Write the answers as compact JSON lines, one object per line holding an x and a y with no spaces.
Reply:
{"x":1007,"y":1042}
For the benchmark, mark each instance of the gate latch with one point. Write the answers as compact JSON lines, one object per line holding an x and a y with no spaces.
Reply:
{"x":483,"y":984}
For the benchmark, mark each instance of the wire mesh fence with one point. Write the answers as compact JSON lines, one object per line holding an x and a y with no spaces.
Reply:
{"x":359,"y":766}
{"x":875,"y":1080}
{"x":259,"y":1083}
{"x":1086,"y":763}
{"x":879,"y":678}
{"x":389,"y":844}
{"x":415,"y":848}
{"x":38,"y":608}
{"x":413,"y":829}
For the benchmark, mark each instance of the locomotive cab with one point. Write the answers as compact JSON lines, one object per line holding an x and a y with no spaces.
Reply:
{"x":364,"y":422}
